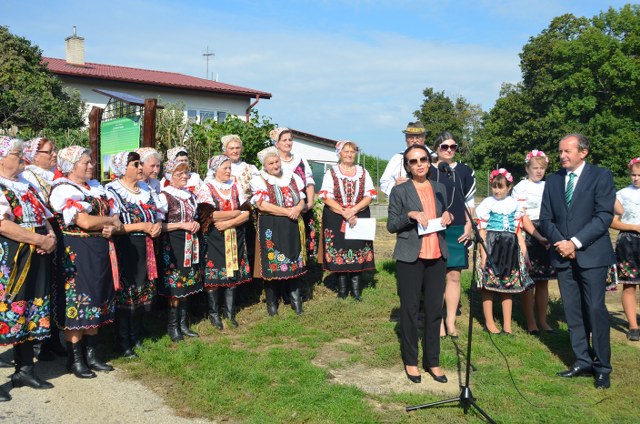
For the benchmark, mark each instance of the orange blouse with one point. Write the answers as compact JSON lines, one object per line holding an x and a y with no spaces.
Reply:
{"x":430,"y":248}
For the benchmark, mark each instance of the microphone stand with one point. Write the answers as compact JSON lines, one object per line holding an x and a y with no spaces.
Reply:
{"x":465,"y":398}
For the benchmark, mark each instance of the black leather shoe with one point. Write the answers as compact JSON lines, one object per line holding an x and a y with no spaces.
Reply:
{"x":413,"y":378}
{"x":26,"y":377}
{"x":4,"y":396}
{"x":602,"y":381}
{"x":576,"y":372}
{"x":439,"y":378}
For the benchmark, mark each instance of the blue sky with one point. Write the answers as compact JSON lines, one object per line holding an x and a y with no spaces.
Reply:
{"x":339,"y":69}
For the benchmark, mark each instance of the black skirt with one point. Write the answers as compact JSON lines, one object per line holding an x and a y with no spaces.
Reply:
{"x":341,"y":255}
{"x":177,"y":280}
{"x":25,"y":316}
{"x":539,"y":258}
{"x":137,"y":289}
{"x":215,"y":272}
{"x":509,"y":274}
{"x":628,"y":254}
{"x":281,"y":255}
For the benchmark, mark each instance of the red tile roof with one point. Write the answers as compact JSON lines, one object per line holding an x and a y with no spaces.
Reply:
{"x":145,"y":76}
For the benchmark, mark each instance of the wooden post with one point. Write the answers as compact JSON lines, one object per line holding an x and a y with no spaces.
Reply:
{"x":95,"y":117}
{"x":149,"y":123}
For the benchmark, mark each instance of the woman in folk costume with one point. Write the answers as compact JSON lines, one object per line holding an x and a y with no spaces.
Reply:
{"x":40,"y":157}
{"x":281,"y":256}
{"x":88,"y":277}
{"x":282,"y":139}
{"x":150,"y":159}
{"x":222,"y":209}
{"x":26,"y":241}
{"x":136,"y":205}
{"x":241,"y":171}
{"x":180,"y":155}
{"x":180,"y":249}
{"x":347,"y":191}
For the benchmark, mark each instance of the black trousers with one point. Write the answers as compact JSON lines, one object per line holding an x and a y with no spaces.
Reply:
{"x":583,"y":292}
{"x":424,"y":278}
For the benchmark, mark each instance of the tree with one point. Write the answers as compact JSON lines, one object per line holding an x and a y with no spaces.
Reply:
{"x":578,"y":75}
{"x":439,"y":113}
{"x":30,"y":96}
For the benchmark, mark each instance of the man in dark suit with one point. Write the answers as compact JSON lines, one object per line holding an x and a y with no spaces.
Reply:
{"x":577,"y":209}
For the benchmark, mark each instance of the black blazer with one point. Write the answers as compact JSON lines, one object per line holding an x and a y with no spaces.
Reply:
{"x":588,"y":219}
{"x":402,"y":200}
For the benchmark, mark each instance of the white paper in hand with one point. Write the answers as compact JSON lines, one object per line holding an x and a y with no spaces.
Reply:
{"x":365,"y":229}
{"x":433,"y":225}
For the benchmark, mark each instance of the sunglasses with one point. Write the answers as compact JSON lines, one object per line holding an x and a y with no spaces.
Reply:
{"x":452,"y":147}
{"x":136,"y":163}
{"x":414,"y":162}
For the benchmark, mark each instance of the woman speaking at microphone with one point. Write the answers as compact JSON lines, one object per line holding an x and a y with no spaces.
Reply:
{"x":421,"y":260}
{"x":460,"y":183}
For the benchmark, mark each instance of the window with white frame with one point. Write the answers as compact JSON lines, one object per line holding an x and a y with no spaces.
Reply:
{"x":199,"y":116}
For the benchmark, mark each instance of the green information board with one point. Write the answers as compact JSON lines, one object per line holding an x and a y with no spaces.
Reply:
{"x":117,"y":135}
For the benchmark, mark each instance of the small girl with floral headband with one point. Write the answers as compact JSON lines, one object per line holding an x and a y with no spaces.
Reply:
{"x":627,"y":220}
{"x":528,"y":193}
{"x":500,"y":218}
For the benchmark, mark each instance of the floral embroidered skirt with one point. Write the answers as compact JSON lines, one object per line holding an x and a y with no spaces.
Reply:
{"x":628,"y":254}
{"x":342,"y":255}
{"x":26,"y":315}
{"x":83,"y":293}
{"x":178,"y":280}
{"x":215,"y":270}
{"x":509,"y":273}
{"x":280,"y":254}
{"x":311,"y":235}
{"x":137,"y":289}
{"x":540,"y":258}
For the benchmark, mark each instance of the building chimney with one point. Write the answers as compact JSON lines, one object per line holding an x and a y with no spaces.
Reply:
{"x":75,"y":49}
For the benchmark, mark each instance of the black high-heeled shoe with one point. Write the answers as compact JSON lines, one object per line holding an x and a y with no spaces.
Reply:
{"x":413,"y":378}
{"x":439,"y":378}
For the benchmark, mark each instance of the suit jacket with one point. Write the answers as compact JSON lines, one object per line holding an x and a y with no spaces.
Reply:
{"x":402,"y":200}
{"x":588,"y":219}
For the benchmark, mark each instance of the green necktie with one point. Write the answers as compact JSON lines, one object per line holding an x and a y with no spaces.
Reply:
{"x":569,"y":192}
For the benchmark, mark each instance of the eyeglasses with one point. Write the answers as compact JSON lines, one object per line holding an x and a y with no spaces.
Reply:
{"x":452,"y":147}
{"x":423,"y":160}
{"x":19,"y":155}
{"x":46,"y":152}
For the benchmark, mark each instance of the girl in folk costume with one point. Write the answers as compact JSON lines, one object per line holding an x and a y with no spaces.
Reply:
{"x":180,"y":249}
{"x":282,"y":139}
{"x":180,"y":155}
{"x":40,"y":157}
{"x":26,"y":241}
{"x":150,"y":159}
{"x":347,"y":191}
{"x":500,"y":218}
{"x":84,"y":292}
{"x":529,"y":194}
{"x":281,"y":255}
{"x":136,"y":205}
{"x":627,"y":220}
{"x":225,"y":259}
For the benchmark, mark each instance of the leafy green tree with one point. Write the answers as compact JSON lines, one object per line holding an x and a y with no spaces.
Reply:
{"x":439,"y":113}
{"x":30,"y":96}
{"x":578,"y":75}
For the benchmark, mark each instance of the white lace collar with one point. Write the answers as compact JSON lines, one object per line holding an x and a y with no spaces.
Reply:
{"x":94,"y":188}
{"x":19,"y":185}
{"x":357,"y":175}
{"x":503,"y":206}
{"x":128,"y":196}
{"x":180,"y":193}
{"x":282,"y":181}
{"x":220,"y":185}
{"x":45,"y":174}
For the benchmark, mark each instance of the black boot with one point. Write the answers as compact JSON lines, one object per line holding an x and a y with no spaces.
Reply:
{"x":25,"y":375}
{"x":172,"y":324}
{"x":272,"y":301}
{"x":343,"y":290}
{"x":123,"y":324}
{"x":135,"y":329}
{"x":230,"y":310}
{"x":213,"y":309}
{"x":75,"y":361}
{"x":90,"y":354}
{"x":184,"y":326}
{"x":294,"y":297}
{"x":355,"y":286}
{"x":5,"y":364}
{"x":4,"y":396}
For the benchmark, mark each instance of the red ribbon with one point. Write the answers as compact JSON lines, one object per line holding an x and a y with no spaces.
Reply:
{"x":72,"y":204}
{"x":114,"y":266}
{"x":152,"y":268}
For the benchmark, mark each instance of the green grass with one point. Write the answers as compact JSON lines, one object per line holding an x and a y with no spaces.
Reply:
{"x":264,"y":371}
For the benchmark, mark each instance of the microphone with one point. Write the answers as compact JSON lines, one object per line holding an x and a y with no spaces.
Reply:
{"x":445,"y":168}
